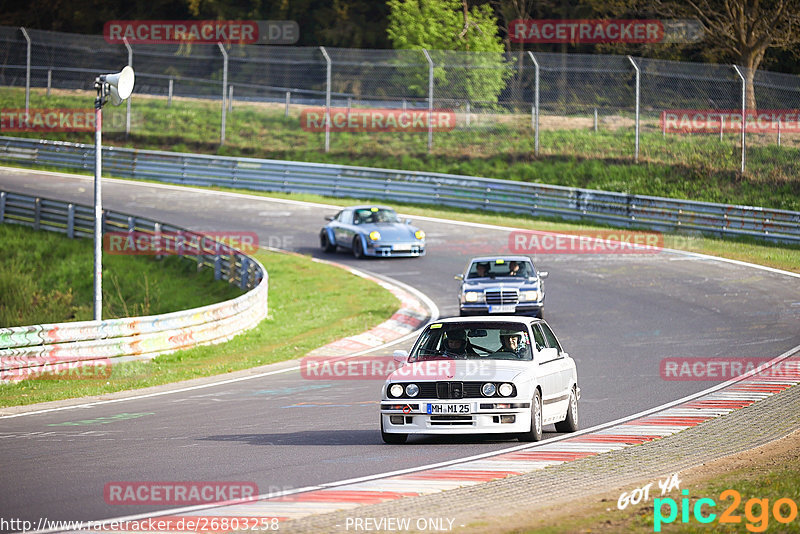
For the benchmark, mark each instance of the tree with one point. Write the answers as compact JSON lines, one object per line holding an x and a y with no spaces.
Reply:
{"x":741,"y":31}
{"x":442,"y":26}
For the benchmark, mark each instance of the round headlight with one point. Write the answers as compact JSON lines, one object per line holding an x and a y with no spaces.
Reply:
{"x":396,"y":390}
{"x":488,"y":389}
{"x":506,"y":390}
{"x":471,"y":296}
{"x":412,"y":390}
{"x":374,"y":235}
{"x":419,"y":234}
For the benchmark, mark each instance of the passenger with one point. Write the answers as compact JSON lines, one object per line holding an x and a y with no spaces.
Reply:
{"x":513,"y":269}
{"x":511,"y":341}
{"x":458,"y":344}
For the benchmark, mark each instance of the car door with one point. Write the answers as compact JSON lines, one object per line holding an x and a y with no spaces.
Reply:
{"x":342,"y":232}
{"x":563,"y":368}
{"x":548,"y":373}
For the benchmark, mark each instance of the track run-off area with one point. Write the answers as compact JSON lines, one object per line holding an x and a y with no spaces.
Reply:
{"x":618,"y":315}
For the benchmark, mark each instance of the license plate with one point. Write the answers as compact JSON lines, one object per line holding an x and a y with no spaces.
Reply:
{"x":503,"y":308}
{"x":402,"y":247}
{"x":436,"y":409}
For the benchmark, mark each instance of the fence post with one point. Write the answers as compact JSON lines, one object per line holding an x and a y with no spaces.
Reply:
{"x":327,"y":99}
{"x":595,"y":120}
{"x":636,"y":149}
{"x":230,"y":98}
{"x":779,"y":132}
{"x":27,"y":72}
{"x":224,"y":90}
{"x":49,"y":80}
{"x":169,"y":95}
{"x":744,"y":114}
{"x":535,"y":104}
{"x":128,"y":100}
{"x":469,"y":113}
{"x":288,"y":99}
{"x":430,"y":98}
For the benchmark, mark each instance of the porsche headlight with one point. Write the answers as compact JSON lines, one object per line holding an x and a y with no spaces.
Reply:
{"x":396,"y":390}
{"x":374,"y":235}
{"x":506,"y":389}
{"x":412,"y":390}
{"x":472,"y":296}
{"x":529,"y":295}
{"x":419,"y":234}
{"x":488,"y":389}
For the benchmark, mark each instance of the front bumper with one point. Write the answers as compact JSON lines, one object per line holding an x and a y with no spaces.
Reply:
{"x":479,"y":421}
{"x":525,"y":308}
{"x":396,"y":250}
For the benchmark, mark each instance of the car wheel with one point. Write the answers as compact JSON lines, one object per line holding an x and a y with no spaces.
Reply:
{"x":570,"y":424}
{"x":393,"y":439}
{"x":358,"y":248}
{"x":535,"y":433}
{"x":325,"y":243}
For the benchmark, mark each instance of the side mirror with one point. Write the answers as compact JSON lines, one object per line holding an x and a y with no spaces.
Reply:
{"x":459,"y":277}
{"x":329,"y":217}
{"x":400,"y":356}
{"x":408,"y":221}
{"x":565,"y":354}
{"x":543,"y":274}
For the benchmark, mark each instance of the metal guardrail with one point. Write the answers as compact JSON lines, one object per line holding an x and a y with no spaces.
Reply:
{"x":25,"y":350}
{"x":615,"y":209}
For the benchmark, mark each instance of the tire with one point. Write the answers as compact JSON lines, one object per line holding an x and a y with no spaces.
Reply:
{"x":325,"y":243}
{"x":392,"y":439}
{"x":358,"y":248}
{"x":535,"y":433}
{"x":570,"y":424}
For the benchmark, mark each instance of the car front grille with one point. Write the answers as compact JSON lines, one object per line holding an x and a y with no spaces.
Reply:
{"x":447,"y":390}
{"x":451,"y":420}
{"x":505,"y":296}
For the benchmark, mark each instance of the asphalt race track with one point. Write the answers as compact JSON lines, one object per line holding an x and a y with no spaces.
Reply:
{"x":617,"y":315}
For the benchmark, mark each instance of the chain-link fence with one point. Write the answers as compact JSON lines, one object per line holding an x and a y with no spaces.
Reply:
{"x":514,"y":106}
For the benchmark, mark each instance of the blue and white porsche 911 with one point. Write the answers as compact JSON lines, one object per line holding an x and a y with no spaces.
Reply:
{"x":372,"y":231}
{"x":481,"y":375}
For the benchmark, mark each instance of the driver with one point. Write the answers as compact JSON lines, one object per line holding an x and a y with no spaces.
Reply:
{"x":457,"y":343}
{"x":511,"y":341}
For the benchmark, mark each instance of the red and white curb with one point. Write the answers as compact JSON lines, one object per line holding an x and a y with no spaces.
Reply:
{"x":648,"y":426}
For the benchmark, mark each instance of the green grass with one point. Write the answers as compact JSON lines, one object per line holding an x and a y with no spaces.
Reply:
{"x":697,"y":167}
{"x":46,"y":277}
{"x":310,"y":304}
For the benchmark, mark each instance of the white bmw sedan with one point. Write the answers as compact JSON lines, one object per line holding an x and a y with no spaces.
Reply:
{"x":481,"y":375}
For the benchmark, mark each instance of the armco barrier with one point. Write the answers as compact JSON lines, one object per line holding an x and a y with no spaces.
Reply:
{"x":27,"y":347}
{"x":616,"y":209}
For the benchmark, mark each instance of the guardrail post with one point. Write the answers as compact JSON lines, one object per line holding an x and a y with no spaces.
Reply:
{"x":128,"y":100}
{"x":430,"y":99}
{"x":71,"y":221}
{"x":217,"y":265}
{"x":224,"y":90}
{"x":327,"y":98}
{"x":2,"y":206}
{"x":157,"y":238}
{"x":535,"y":104}
{"x":244,"y":274}
{"x":27,"y":72}
{"x":744,"y":114}
{"x":638,"y":76}
{"x":37,"y":212}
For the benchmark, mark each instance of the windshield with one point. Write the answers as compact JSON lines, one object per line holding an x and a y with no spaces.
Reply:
{"x":374,"y":215}
{"x":500,"y":268}
{"x":479,"y":341}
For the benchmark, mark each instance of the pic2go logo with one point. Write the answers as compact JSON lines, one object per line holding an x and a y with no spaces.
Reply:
{"x":756,"y":511}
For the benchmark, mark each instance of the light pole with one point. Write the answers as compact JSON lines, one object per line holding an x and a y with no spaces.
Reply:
{"x":119,"y":87}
